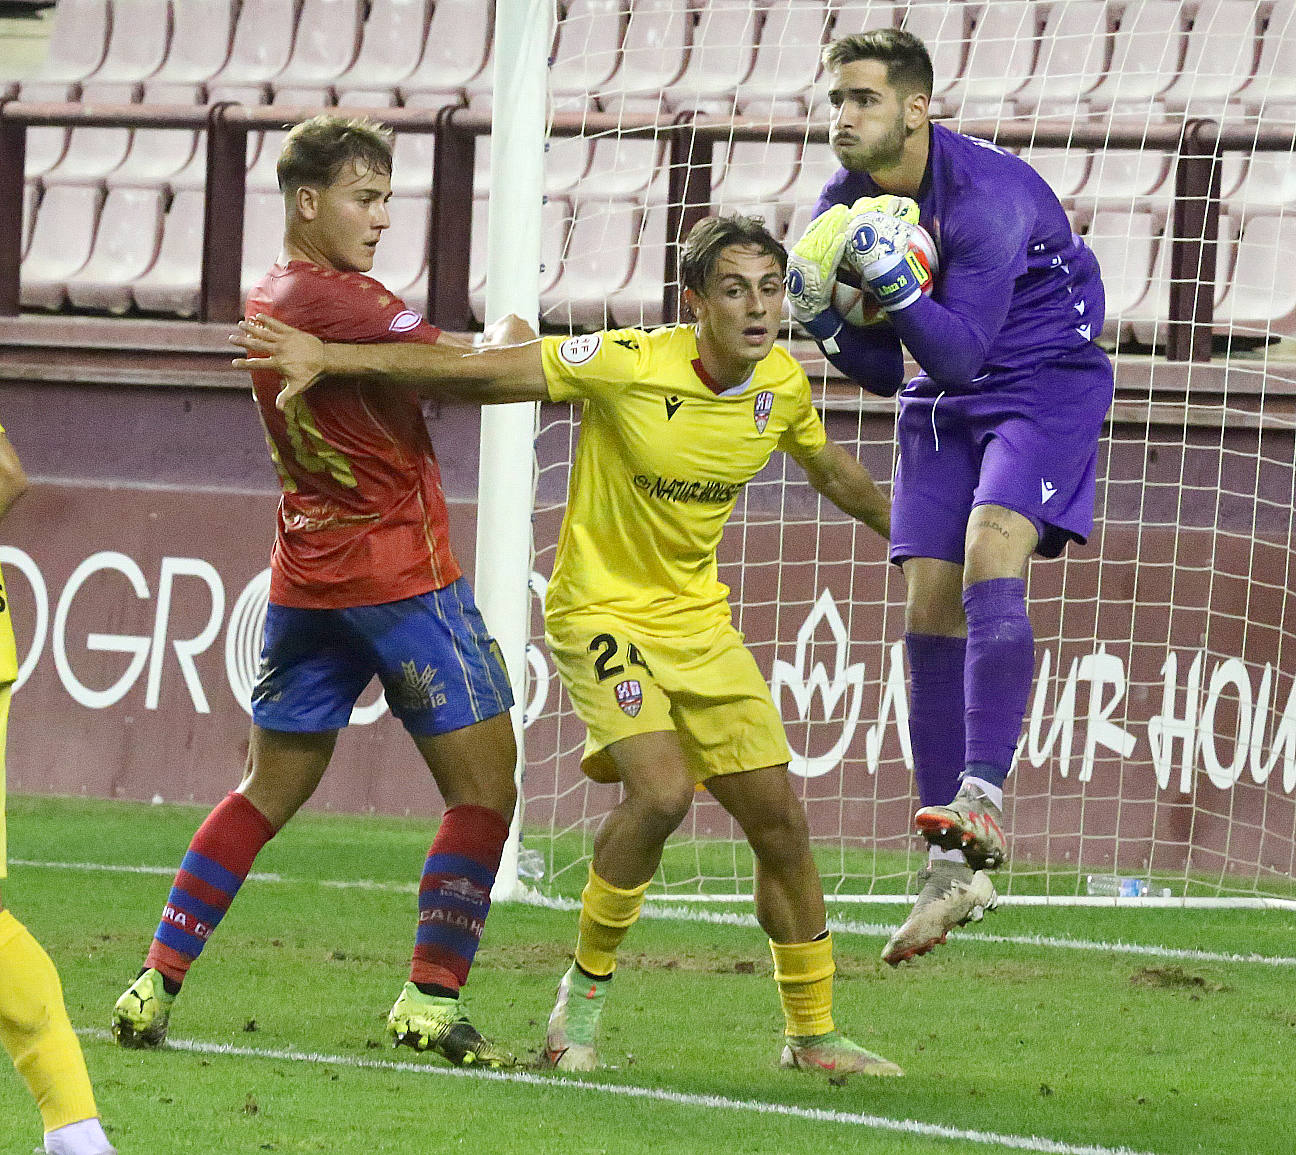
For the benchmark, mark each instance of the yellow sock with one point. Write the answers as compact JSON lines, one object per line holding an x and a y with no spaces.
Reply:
{"x":34,"y":1029}
{"x":804,"y":973}
{"x":607,"y":914}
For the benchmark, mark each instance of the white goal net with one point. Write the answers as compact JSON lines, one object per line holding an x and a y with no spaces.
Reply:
{"x":1160,"y":741}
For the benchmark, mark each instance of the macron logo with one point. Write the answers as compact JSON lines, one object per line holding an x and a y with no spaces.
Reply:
{"x":1047,"y":490}
{"x":404,"y":321}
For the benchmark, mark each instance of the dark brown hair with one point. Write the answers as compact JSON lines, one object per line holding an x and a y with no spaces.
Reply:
{"x":316,"y":150}
{"x":712,"y":235}
{"x":909,"y":67}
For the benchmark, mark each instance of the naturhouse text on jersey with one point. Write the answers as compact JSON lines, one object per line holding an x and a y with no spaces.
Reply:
{"x":684,"y":491}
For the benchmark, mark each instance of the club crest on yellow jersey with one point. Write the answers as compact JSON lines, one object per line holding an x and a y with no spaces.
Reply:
{"x":629,"y":696}
{"x":762,"y":407}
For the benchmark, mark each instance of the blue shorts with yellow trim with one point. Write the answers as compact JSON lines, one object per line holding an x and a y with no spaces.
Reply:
{"x":439,"y":668}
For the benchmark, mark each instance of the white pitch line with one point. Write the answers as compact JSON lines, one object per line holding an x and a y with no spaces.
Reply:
{"x":652,"y":1094}
{"x":656,"y":908}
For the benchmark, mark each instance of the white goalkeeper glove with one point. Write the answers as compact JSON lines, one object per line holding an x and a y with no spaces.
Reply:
{"x":812,"y":264}
{"x":877,"y":248}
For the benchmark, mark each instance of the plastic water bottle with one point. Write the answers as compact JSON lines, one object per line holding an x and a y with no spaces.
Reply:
{"x":531,"y":864}
{"x":1112,"y":886}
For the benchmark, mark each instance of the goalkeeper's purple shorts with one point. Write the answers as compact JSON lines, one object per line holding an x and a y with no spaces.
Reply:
{"x":1028,"y":442}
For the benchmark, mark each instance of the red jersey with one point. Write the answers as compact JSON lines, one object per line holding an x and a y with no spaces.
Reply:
{"x":362,"y":519}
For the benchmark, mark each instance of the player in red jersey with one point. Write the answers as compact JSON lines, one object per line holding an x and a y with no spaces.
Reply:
{"x":363,"y":584}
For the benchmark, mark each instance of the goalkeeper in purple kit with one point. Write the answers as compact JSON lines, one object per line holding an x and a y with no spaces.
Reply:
{"x":997,"y":435}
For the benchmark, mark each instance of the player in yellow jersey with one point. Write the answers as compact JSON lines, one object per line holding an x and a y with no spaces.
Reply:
{"x":34,"y":1026}
{"x":674,"y":423}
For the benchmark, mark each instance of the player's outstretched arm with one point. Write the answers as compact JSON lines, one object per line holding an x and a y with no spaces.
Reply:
{"x":507,"y":368}
{"x":13,"y":481}
{"x":835,"y":473}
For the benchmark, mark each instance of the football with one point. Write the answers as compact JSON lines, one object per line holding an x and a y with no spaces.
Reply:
{"x":858,"y":306}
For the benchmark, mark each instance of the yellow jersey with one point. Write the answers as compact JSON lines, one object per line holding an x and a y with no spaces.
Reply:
{"x":661,"y":461}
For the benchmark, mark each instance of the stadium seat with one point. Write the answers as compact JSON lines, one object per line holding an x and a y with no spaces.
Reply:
{"x":1001,"y":54}
{"x":60,"y":244}
{"x":1125,"y":178}
{"x":555,"y":219}
{"x":260,"y":50}
{"x":1261,"y":297}
{"x":1147,"y":50}
{"x":391,"y":44}
{"x":325,"y":45}
{"x":653,"y":52}
{"x":1064,"y":169}
{"x":171,"y":285}
{"x":1071,"y":60}
{"x":816,"y":164}
{"x":787,"y":59}
{"x":600,"y":251}
{"x":77,"y":43}
{"x":202,"y":33}
{"x":1149,"y":317}
{"x":125,"y":246}
{"x":862,"y":15}
{"x":639,"y":301}
{"x":589,"y":40}
{"x":753,"y":172}
{"x":45,"y":146}
{"x":1267,"y":184}
{"x":566,"y":161}
{"x":455,"y":53}
{"x":413,"y":153}
{"x":723,"y":49}
{"x":1218,"y":61}
{"x":263,"y":225}
{"x":625,"y":168}
{"x":1124,"y":243}
{"x":944,"y":29}
{"x":1272,"y":91}
{"x":400,"y":262}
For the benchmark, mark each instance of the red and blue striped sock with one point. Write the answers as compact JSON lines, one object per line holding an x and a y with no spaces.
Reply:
{"x":210,"y":874}
{"x":454,"y":895}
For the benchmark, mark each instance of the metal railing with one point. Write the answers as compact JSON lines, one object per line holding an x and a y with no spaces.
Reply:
{"x":1198,"y":146}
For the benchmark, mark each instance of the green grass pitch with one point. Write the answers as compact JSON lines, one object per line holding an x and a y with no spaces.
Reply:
{"x":1005,"y":1044}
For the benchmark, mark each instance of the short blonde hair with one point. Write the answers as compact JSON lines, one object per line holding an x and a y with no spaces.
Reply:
{"x":317,"y":150}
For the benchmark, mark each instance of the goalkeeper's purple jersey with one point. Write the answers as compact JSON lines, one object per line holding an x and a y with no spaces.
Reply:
{"x":1022,"y":288}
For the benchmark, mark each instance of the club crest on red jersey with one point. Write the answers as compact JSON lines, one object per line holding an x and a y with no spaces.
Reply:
{"x":404,"y":321}
{"x":762,"y":409}
{"x":629,"y":696}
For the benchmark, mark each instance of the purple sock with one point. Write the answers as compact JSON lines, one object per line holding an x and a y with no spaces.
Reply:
{"x":1000,"y":669}
{"x":936,"y":714}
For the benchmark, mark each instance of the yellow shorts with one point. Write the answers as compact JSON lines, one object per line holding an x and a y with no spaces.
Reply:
{"x":5,"y":691}
{"x":706,"y":687}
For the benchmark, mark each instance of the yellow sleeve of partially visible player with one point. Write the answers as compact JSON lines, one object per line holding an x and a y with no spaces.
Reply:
{"x":8,"y":650}
{"x":591,"y":364}
{"x":805,"y":434}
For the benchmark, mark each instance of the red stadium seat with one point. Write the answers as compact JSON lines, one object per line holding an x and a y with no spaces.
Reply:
{"x":753,"y":172}
{"x":1125,"y":178}
{"x":261,"y":49}
{"x":625,"y":168}
{"x":1124,"y":243}
{"x":1065,"y":169}
{"x":1149,"y":317}
{"x":1268,"y":184}
{"x":328,"y":37}
{"x":77,"y":44}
